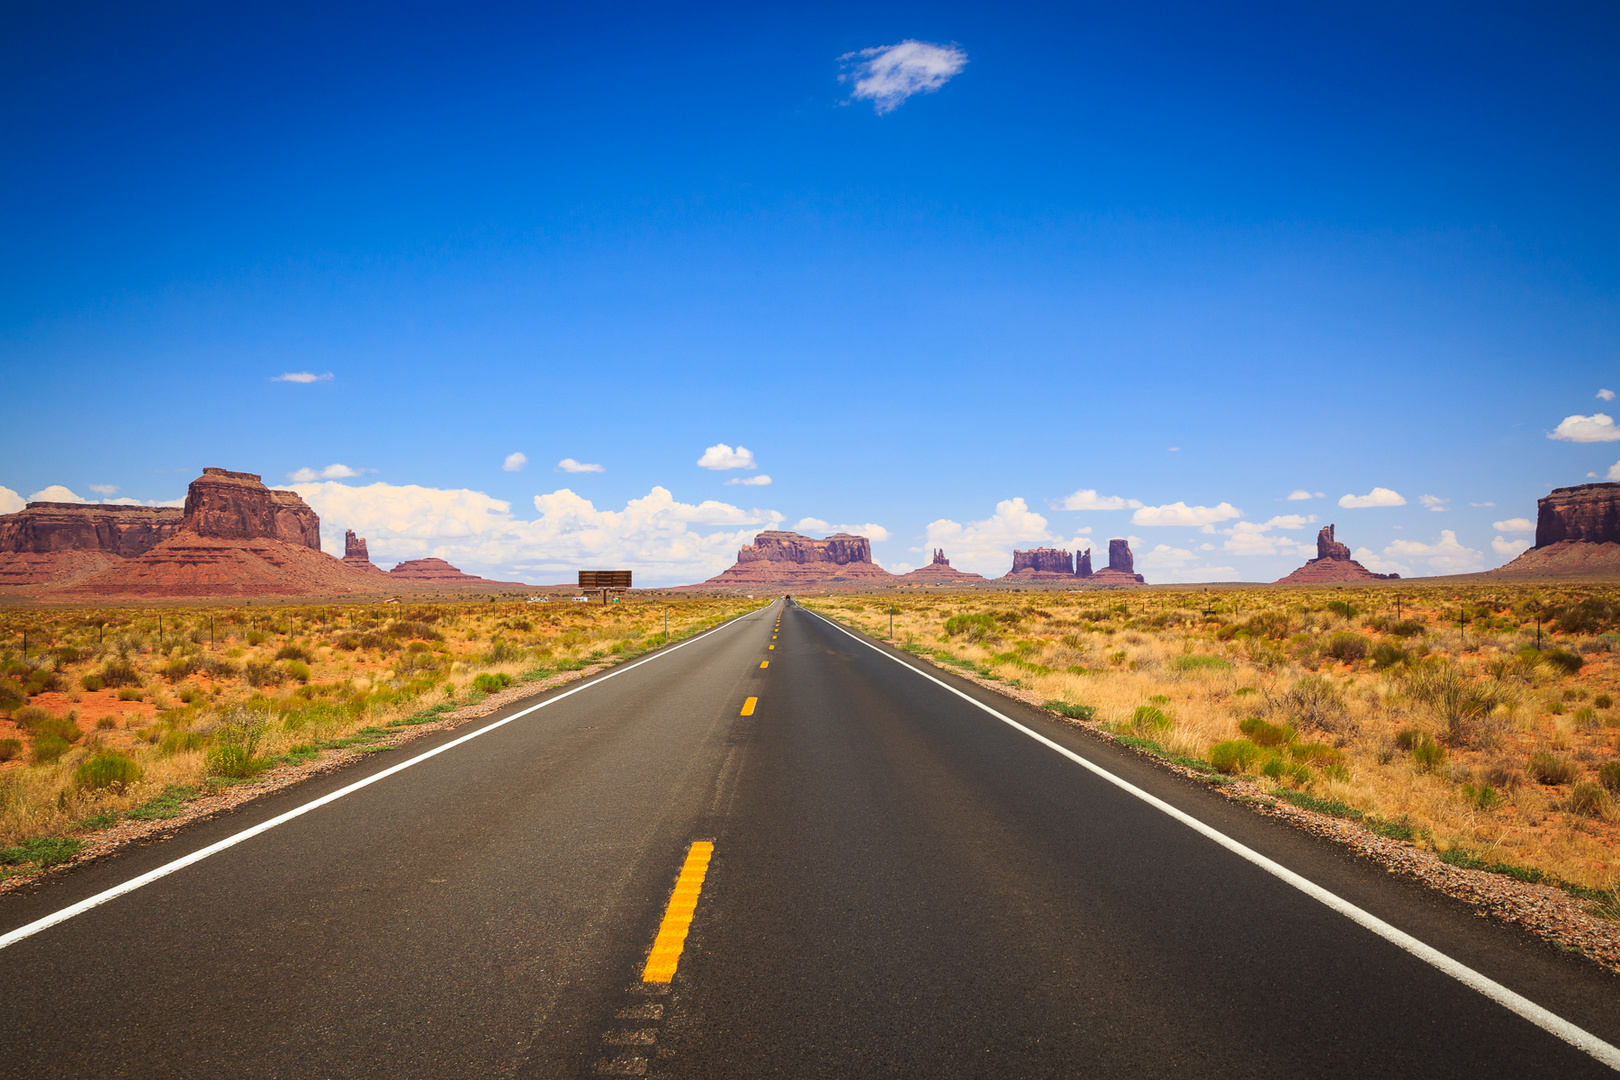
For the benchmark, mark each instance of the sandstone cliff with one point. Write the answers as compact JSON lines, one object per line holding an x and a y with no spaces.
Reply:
{"x":1332,"y":563}
{"x":788,"y":560}
{"x":1577,"y":534}
{"x":438,"y":572}
{"x":1082,"y":565}
{"x":49,"y":544}
{"x":237,"y":506}
{"x":938,"y":572}
{"x":355,"y":554}
{"x":1045,"y":561}
{"x":1121,"y":568}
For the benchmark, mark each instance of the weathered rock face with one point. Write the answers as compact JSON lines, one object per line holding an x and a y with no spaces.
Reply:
{"x":1043,"y":561}
{"x":1121,"y":568}
{"x":1082,"y":566}
{"x":777,"y":558}
{"x":938,"y":572}
{"x":124,"y":531}
{"x":939,"y":558}
{"x":439,"y":572}
{"x":1587,"y":513}
{"x":355,"y":554}
{"x":237,"y":506}
{"x":1332,"y":564}
{"x":1329,"y":548}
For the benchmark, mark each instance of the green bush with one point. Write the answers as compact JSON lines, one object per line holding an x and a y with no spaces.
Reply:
{"x":1073,"y":712}
{"x":44,"y":851}
{"x":1567,"y":662}
{"x":1149,"y":718}
{"x":492,"y":682}
{"x":1264,"y":734}
{"x":1548,"y":768}
{"x":1483,"y":797}
{"x":1407,"y":628}
{"x":1603,"y":701}
{"x":261,"y":673}
{"x":48,"y":748}
{"x":177,"y":742}
{"x":29,"y":715}
{"x":39,"y":722}
{"x":10,"y":749}
{"x":298,"y":671}
{"x":1387,"y":654}
{"x":1233,"y":756}
{"x":116,"y":771}
{"x":235,"y":762}
{"x":976,"y":627}
{"x":293,"y":651}
{"x":1200,"y":663}
{"x":119,"y":672}
{"x":1343,"y":608}
{"x":1428,"y":756}
{"x":1590,"y":800}
{"x":92,"y":683}
{"x":1318,"y":754}
{"x":1609,"y":775}
{"x":1346,"y":647}
{"x":502,"y":651}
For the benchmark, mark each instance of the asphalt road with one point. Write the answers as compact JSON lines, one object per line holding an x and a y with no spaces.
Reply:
{"x":901,"y":885}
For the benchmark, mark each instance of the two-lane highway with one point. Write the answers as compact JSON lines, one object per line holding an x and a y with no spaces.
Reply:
{"x":778,"y":850}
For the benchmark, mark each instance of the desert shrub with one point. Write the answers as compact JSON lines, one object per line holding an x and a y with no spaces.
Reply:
{"x":298,"y":671}
{"x":255,"y":637}
{"x":1073,"y":712}
{"x":1463,"y":702}
{"x":44,"y":681}
{"x":1547,"y":768}
{"x":1233,"y":756}
{"x":376,"y":642}
{"x":115,"y":771}
{"x":492,"y":682}
{"x":1503,"y":777}
{"x":1590,"y":800}
{"x":1269,"y":624}
{"x":293,"y":651}
{"x":220,"y":668}
{"x":1200,"y":663}
{"x":1313,"y":702}
{"x":979,"y":626}
{"x":176,"y":742}
{"x":502,"y":651}
{"x":11,"y":694}
{"x":263,"y":673}
{"x":130,"y":693}
{"x":119,"y":672}
{"x":48,"y":748}
{"x":1387,"y":654}
{"x":1343,"y":608}
{"x":1406,"y":628}
{"x":1481,"y":797}
{"x":10,"y":749}
{"x":1407,"y":738}
{"x":29,"y":715}
{"x":1318,"y":754}
{"x":1263,"y":734}
{"x":1609,"y":775}
{"x":235,"y":754}
{"x":106,"y":723}
{"x":407,"y":628}
{"x":1590,"y":616}
{"x":1586,"y":717}
{"x":348,"y":643}
{"x":39,"y":722}
{"x":1346,"y":647}
{"x":181,"y":667}
{"x":1428,"y":756}
{"x":91,"y":683}
{"x":1603,"y":701}
{"x":1149,"y":718}
{"x":1562,"y":660}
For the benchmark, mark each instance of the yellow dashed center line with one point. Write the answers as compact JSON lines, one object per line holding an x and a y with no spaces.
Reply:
{"x":666,"y":950}
{"x":764,"y":664}
{"x":748,"y":706}
{"x":773,"y":646}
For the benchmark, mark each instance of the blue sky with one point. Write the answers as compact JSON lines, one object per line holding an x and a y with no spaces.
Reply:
{"x":1190,"y":260}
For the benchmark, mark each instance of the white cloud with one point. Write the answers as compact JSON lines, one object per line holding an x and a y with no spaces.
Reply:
{"x":664,"y":541}
{"x":1599,"y":427}
{"x":888,"y":75}
{"x":875,"y":533}
{"x":762,"y":480}
{"x":515,"y":461}
{"x":1514,"y":525}
{"x":1164,"y":557}
{"x":1088,"y":499}
{"x":10,"y":501}
{"x":1378,"y":496}
{"x":1249,"y":537}
{"x":108,"y":490}
{"x":1380,"y":565}
{"x":720,"y":456}
{"x":302,"y":377}
{"x":1503,"y":546}
{"x":1605,"y":395}
{"x":986,"y":547}
{"x":1179,"y":513}
{"x":1434,"y":502}
{"x":331,"y":472}
{"x":1445,"y":557}
{"x":55,"y":493}
{"x":1614,"y":471}
{"x":569,"y":465}
{"x":1299,"y":494}
{"x":1483,"y":504}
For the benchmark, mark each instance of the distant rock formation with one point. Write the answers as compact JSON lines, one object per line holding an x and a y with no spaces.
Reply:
{"x":1121,"y":568}
{"x":237,"y":506}
{"x":49,"y":544}
{"x":1082,"y":565}
{"x":355,"y":554}
{"x":938,"y":572}
{"x":1577,"y":534}
{"x":439,"y":572}
{"x":1053,"y":561}
{"x":1332,"y":563}
{"x":784,"y":559}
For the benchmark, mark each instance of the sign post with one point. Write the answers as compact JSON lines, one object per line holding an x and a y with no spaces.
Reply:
{"x":605,"y":580}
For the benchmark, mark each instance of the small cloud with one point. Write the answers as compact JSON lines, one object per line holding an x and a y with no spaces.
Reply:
{"x":1503,"y":546}
{"x":1445,"y":557}
{"x":1300,"y":494}
{"x":872,"y":532}
{"x":1179,"y":513}
{"x":1483,"y":504}
{"x":515,"y":461}
{"x":1614,"y":471}
{"x":1378,"y":496}
{"x":55,"y":493}
{"x":750,"y":481}
{"x":1514,"y":525}
{"x":1088,"y":499}
{"x":1174,"y":449}
{"x":1434,"y":502}
{"x":108,"y":490}
{"x":1599,"y":427}
{"x":1164,"y":557}
{"x":1605,"y":395}
{"x":10,"y":501}
{"x":888,"y":75}
{"x":331,"y":472}
{"x":302,"y":377}
{"x":720,"y":456}
{"x":568,"y":464}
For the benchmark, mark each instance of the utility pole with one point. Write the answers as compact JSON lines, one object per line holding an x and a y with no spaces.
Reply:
{"x":891,"y":622}
{"x":666,"y":625}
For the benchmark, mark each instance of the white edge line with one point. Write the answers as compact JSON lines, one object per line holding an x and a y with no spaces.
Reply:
{"x":30,"y":929}
{"x":1548,"y":1021}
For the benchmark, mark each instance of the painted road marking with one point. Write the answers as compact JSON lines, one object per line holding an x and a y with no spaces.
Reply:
{"x":1545,"y":1019}
{"x":773,"y":646}
{"x":671,"y":939}
{"x":748,"y":706}
{"x":199,"y":855}
{"x":763,"y":664}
